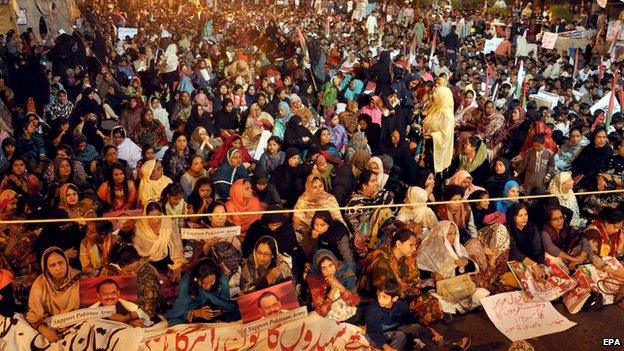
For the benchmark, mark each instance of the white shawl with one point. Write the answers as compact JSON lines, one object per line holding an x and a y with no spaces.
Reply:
{"x":436,"y":254}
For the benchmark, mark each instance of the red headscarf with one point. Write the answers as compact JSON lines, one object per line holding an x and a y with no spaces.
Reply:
{"x":237,"y":203}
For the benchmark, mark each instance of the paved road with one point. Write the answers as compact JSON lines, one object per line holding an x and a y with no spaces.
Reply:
{"x":585,"y":336}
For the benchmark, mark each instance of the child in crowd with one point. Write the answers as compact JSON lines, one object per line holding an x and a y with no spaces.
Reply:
{"x":537,"y":166}
{"x":390,"y":325}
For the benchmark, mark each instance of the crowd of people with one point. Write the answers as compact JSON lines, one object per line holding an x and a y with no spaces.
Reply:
{"x":314,"y":107}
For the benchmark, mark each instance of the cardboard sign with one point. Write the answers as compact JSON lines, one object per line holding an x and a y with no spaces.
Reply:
{"x":545,"y":99}
{"x":207,"y":233}
{"x":549,"y":40}
{"x":491,"y":45}
{"x":122,"y":32}
{"x":70,"y":318}
{"x":521,"y":320}
{"x":603,"y":104}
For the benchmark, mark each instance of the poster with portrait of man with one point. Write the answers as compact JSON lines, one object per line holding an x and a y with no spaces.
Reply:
{"x":270,"y":308}
{"x":108,"y":291}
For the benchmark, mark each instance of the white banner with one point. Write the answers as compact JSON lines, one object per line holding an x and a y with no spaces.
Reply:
{"x":262,"y":144}
{"x":521,"y":320}
{"x":603,"y":104}
{"x":122,"y":32}
{"x":274,"y":321}
{"x":93,"y":334}
{"x":207,"y":233}
{"x":491,"y":45}
{"x":549,"y":40}
{"x":70,"y":318}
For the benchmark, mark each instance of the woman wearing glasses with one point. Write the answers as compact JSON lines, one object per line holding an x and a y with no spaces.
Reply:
{"x":264,"y":267}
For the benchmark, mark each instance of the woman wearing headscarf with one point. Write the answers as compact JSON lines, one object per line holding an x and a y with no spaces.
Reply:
{"x":561,"y":185}
{"x":127,"y":150}
{"x":464,"y":179}
{"x":157,"y":239}
{"x":227,"y":173}
{"x":490,"y":127}
{"x":118,"y":193}
{"x":501,"y":174}
{"x":490,"y":252}
{"x":339,"y":135}
{"x":322,"y":144}
{"x":257,"y":122}
{"x":242,"y":199}
{"x":264,"y":267}
{"x":376,"y":166}
{"x":288,"y":178}
{"x":177,"y":157}
{"x":569,"y":151}
{"x":283,"y":116}
{"x":220,"y":154}
{"x":439,"y":126}
{"x":153,"y":182}
{"x":398,"y":261}
{"x":457,"y":212}
{"x":606,"y":238}
{"x":464,"y":113}
{"x":332,"y":286}
{"x":373,"y":109}
{"x":84,"y":152}
{"x":296,"y":135}
{"x":358,"y":142}
{"x":328,"y":233}
{"x":593,"y":160}
{"x":562,"y":241}
{"x":131,"y":116}
{"x":372,"y":131}
{"x":474,"y":160}
{"x":227,"y":119}
{"x":511,"y":190}
{"x":55,"y":291}
{"x":314,"y":197}
{"x":161,"y":115}
{"x":149,"y":131}
{"x":280,"y":228}
{"x":444,"y":257}
{"x":417,"y":214}
{"x":200,"y":117}
{"x":200,"y":142}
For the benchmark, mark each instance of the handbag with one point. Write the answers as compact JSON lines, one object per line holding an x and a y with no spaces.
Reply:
{"x":456,"y":289}
{"x":613,"y":286}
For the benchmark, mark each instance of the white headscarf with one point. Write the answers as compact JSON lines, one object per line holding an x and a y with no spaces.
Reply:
{"x":382,"y":177}
{"x":156,"y":246}
{"x":419,"y":212}
{"x":436,"y":254}
{"x":567,"y":200}
{"x":127,"y":150}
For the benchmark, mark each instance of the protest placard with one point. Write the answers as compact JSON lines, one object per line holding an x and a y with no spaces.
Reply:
{"x":70,"y":318}
{"x":121,"y":214}
{"x":549,"y":40}
{"x":603,"y":104}
{"x":207,"y":233}
{"x":518,"y":319}
{"x":556,"y":284}
{"x":576,"y":298}
{"x":491,"y":45}
{"x":122,"y":32}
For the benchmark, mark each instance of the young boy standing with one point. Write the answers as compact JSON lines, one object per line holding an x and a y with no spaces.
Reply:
{"x":537,"y":165}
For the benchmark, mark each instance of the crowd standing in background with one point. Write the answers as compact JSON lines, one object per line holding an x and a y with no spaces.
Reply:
{"x":390,"y":106}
